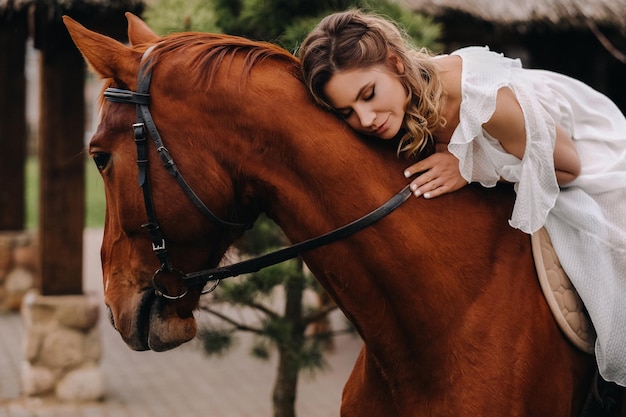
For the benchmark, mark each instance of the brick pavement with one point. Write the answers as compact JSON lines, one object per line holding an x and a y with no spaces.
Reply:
{"x":181,"y":383}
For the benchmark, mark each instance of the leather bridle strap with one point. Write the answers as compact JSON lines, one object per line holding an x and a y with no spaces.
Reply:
{"x":142,"y":99}
{"x":281,"y":255}
{"x":145,"y":125}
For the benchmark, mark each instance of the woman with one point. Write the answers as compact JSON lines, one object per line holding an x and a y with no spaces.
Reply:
{"x":477,"y":116}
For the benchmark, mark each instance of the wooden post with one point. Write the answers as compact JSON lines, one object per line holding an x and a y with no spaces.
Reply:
{"x":13,"y":34}
{"x":61,"y":160}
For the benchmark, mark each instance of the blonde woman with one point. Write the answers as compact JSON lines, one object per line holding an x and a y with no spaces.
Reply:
{"x":477,"y":116}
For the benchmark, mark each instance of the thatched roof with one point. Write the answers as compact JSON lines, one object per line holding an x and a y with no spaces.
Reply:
{"x":70,"y":4}
{"x":524,"y":13}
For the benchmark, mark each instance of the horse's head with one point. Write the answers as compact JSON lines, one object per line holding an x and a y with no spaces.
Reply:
{"x":178,"y":102}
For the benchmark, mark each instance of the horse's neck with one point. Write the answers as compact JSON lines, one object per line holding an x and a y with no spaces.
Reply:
{"x":330,"y":180}
{"x":330,"y":184}
{"x":406,"y":280}
{"x":313,"y":175}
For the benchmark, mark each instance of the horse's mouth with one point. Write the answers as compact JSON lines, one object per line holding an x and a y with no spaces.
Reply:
{"x":156,"y":325}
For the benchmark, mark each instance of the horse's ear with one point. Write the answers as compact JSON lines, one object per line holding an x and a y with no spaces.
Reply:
{"x":106,"y":56}
{"x":138,"y":31}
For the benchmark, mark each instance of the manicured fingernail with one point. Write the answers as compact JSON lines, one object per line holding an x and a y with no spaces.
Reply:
{"x":426,"y":195}
{"x":407,"y":173}
{"x":417,"y":193}
{"x":413,"y":187}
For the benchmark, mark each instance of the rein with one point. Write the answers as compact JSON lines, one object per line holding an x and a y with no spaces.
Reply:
{"x":145,"y":125}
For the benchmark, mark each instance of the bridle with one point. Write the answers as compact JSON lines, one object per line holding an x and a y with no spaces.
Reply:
{"x":145,"y":125}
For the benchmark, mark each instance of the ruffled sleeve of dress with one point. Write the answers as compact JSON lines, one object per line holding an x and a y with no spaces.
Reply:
{"x":481,"y":157}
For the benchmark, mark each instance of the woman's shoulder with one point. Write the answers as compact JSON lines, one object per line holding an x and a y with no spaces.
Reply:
{"x":483,"y":72}
{"x":449,"y":65}
{"x":482,"y":56}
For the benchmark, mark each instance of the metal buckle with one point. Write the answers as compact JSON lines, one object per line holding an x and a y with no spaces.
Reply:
{"x":156,"y":247}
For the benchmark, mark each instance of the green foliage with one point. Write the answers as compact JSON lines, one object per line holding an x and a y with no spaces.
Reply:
{"x":423,"y":30}
{"x":167,"y":16}
{"x":249,"y":289}
{"x":273,"y":328}
{"x":306,"y":352}
{"x":311,"y":356}
{"x":265,"y":234}
{"x":31,"y":193}
{"x":279,"y":330}
{"x":95,"y":200}
{"x":261,"y":349}
{"x":307,"y":356}
{"x":287,"y":22}
{"x":216,"y":342}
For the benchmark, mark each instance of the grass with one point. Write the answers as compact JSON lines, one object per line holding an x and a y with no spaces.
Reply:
{"x":94,"y":194}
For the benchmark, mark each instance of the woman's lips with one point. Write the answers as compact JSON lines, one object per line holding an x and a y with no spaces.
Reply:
{"x":381,"y":129}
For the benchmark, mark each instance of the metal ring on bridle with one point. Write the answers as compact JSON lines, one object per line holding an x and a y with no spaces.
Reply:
{"x":160,"y":291}
{"x":213,"y":287}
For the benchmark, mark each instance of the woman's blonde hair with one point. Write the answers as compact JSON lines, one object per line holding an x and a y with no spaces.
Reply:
{"x":353,"y":39}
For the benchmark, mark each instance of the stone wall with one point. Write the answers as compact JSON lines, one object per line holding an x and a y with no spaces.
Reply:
{"x":18,"y":266}
{"x":62,"y":347}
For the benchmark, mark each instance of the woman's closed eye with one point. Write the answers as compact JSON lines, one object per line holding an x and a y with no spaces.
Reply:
{"x":366,"y":96}
{"x":345,"y":114}
{"x":369,"y":94}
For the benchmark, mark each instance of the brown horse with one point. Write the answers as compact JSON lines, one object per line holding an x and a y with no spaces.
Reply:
{"x":443,"y":292}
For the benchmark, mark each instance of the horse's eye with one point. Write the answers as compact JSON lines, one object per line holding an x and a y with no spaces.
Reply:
{"x":101,"y":159}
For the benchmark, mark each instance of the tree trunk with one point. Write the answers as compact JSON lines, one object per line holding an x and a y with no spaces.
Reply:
{"x":285,"y":388}
{"x":286,"y":385}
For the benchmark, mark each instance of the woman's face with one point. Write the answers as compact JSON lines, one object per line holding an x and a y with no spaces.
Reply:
{"x":371,"y":100}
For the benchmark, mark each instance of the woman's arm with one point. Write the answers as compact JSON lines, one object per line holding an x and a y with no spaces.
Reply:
{"x":566,"y":159}
{"x":507,"y":125}
{"x":439,"y":173}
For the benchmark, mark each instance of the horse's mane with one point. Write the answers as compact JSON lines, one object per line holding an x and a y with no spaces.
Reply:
{"x":206,"y":52}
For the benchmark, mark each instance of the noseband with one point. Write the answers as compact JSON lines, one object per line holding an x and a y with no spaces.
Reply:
{"x":145,"y":125}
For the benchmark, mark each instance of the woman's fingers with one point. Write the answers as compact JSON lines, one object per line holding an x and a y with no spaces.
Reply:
{"x":438,"y":174}
{"x":429,"y":190}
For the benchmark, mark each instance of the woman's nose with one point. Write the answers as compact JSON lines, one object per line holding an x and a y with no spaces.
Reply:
{"x":366,"y":117}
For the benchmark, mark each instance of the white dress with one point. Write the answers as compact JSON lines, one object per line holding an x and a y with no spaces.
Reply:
{"x":586,"y":219}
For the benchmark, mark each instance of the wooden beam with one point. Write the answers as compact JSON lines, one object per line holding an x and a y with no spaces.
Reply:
{"x":13,"y":34}
{"x":61,"y":161}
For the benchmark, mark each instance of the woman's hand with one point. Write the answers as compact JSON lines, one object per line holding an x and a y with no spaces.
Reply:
{"x":438,"y":174}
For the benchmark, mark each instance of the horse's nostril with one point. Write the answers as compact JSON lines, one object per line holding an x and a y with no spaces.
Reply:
{"x":111,"y":319}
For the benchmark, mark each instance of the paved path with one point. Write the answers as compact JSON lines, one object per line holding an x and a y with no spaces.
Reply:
{"x":178,"y":383}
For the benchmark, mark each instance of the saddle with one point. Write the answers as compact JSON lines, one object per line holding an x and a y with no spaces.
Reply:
{"x":563,"y":300}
